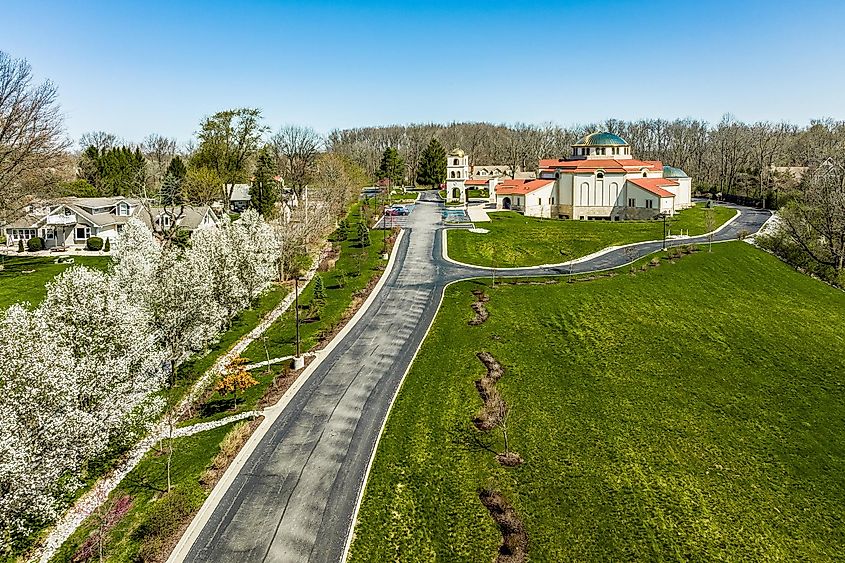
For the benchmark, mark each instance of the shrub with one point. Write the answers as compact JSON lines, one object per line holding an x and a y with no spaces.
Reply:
{"x":94,"y":243}
{"x":107,"y":246}
{"x":35,"y":244}
{"x":319,"y":289}
{"x":20,"y":246}
{"x":2,"y":238}
{"x":363,"y":235}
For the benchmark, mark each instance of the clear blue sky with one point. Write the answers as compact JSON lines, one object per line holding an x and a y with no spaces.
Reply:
{"x":133,"y":68}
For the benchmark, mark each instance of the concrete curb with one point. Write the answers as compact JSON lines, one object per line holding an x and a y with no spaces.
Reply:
{"x":578,"y":260}
{"x":270,"y":415}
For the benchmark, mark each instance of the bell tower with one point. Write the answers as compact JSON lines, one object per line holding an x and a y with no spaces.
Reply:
{"x":457,"y":173}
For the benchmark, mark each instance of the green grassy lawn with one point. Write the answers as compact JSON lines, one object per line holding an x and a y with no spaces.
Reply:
{"x":515,"y":240}
{"x":473,"y":192}
{"x":442,"y":194}
{"x":23,"y":278}
{"x":691,"y":412}
{"x":407,"y":197}
{"x":154,"y":513}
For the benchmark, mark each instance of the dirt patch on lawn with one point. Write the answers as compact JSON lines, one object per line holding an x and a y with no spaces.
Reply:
{"x":491,"y":413}
{"x":479,"y":307}
{"x":514,"y":548}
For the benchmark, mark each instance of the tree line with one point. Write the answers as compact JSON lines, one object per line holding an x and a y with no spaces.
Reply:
{"x":731,"y":157}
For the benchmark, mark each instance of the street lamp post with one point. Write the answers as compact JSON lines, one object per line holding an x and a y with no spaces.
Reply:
{"x":298,"y":361}
{"x":664,"y":231}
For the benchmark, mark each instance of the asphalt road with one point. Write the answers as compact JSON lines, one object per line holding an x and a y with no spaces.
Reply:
{"x":295,"y":497}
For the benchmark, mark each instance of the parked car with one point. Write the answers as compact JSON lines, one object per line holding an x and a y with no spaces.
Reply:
{"x":400,"y":210}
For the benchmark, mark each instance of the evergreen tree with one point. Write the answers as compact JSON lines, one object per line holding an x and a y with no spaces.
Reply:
{"x":392,"y":167}
{"x":432,"y":171}
{"x":171,"y":190}
{"x":363,"y":235}
{"x":177,"y":168}
{"x":319,"y":289}
{"x":264,"y":191}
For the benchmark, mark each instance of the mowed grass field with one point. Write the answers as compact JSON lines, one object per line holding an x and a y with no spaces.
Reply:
{"x":24,"y":277}
{"x":691,"y":412}
{"x":515,"y":240}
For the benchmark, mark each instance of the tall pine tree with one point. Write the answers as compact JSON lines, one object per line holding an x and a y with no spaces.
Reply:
{"x":265,"y":190}
{"x":432,"y":171}
{"x":392,"y":167}
{"x":177,"y":168}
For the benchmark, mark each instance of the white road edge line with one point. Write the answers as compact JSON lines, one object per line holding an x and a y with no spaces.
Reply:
{"x":199,"y":521}
{"x":574,"y":261}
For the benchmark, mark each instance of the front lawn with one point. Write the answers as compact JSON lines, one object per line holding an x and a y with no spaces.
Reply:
{"x":515,"y":240}
{"x":690,"y":412}
{"x":23,"y":278}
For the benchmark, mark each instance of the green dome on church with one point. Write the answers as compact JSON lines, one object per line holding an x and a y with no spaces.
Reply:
{"x":601,"y":139}
{"x":672,"y":172}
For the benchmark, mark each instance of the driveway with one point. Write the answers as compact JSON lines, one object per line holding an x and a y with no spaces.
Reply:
{"x":295,"y":497}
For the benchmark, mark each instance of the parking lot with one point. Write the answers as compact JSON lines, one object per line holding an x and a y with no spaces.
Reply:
{"x":398,"y":219}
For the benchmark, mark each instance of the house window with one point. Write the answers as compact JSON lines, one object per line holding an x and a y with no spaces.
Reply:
{"x":82,"y":233}
{"x":123,"y":209}
{"x":649,"y":204}
{"x":632,"y":202}
{"x":68,"y":212}
{"x":164,"y":220}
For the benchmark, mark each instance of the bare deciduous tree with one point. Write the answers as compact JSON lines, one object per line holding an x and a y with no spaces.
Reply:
{"x":296,"y":149}
{"x":32,"y":136}
{"x":816,"y":218}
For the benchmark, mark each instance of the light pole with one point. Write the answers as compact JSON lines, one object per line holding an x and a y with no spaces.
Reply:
{"x":298,"y":361}
{"x":664,"y":231}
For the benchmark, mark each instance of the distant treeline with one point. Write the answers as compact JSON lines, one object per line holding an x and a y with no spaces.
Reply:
{"x":731,"y":157}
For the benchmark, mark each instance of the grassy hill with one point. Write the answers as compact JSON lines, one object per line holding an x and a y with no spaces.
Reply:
{"x":515,"y":240}
{"x":690,"y":412}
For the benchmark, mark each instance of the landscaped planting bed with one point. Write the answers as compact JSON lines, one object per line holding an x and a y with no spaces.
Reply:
{"x":688,"y":410}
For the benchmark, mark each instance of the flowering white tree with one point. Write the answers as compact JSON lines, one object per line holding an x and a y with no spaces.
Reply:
{"x":254,"y":246}
{"x":78,"y":371}
{"x":81,"y":368}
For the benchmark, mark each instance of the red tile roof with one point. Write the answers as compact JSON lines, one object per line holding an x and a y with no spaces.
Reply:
{"x":520,"y":186}
{"x":606,"y":164}
{"x":476,"y":182}
{"x":653,"y":185}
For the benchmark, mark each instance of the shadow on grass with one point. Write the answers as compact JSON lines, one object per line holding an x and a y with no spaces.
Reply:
{"x":467,"y":437}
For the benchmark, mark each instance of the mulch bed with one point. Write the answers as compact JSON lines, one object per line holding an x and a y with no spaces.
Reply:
{"x":514,"y":548}
{"x":479,"y":307}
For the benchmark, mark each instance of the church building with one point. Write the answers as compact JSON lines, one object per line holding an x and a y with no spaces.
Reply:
{"x":600,"y":180}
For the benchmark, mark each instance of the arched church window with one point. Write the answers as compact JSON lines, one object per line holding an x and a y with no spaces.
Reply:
{"x":645,"y":174}
{"x":456,"y":162}
{"x":599,"y":174}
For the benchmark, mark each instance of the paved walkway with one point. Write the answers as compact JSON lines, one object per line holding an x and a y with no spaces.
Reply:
{"x":295,"y":495}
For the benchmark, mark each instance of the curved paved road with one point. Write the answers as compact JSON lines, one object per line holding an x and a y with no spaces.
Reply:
{"x":295,"y":497}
